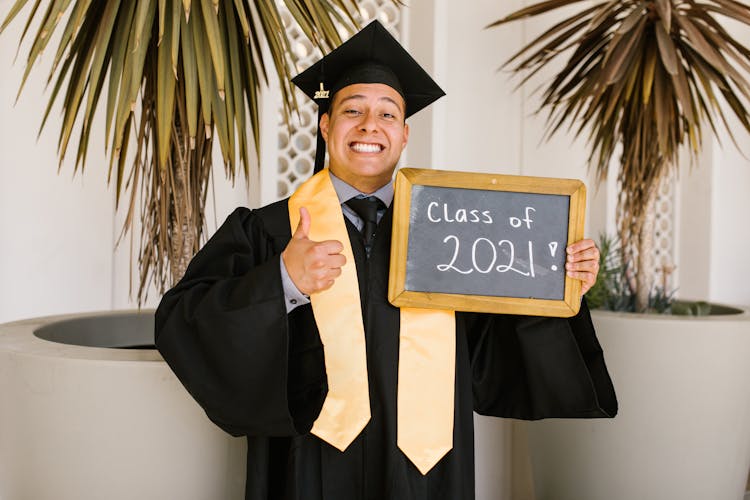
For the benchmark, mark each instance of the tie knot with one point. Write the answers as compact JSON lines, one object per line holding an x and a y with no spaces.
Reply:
{"x":367,"y":208}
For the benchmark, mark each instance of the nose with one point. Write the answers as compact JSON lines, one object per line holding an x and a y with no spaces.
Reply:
{"x":368,"y":123}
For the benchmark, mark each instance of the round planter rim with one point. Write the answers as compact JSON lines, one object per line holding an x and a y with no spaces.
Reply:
{"x":742,"y":315}
{"x":18,"y":338}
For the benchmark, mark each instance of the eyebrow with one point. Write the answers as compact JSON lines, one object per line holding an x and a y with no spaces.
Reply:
{"x":360,"y":96}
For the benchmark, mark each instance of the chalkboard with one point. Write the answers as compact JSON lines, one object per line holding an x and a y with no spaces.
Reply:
{"x":485,"y":242}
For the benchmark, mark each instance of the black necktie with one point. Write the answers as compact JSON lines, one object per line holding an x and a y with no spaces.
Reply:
{"x":367,"y":209}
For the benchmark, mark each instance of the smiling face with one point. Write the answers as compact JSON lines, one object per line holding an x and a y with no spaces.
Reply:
{"x":365,"y":133}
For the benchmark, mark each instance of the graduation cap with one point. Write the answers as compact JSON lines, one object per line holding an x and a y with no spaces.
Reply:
{"x":370,"y":56}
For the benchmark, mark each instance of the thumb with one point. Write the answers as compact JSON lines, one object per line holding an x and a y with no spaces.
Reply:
{"x":303,"y":228}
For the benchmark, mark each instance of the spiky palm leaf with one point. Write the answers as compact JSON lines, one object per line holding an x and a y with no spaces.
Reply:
{"x":177,"y":74}
{"x":646,"y":75}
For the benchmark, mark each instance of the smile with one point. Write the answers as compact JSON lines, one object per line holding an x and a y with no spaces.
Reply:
{"x":362,"y":147}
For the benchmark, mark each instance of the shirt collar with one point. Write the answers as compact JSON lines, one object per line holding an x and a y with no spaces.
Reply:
{"x":346,"y":192}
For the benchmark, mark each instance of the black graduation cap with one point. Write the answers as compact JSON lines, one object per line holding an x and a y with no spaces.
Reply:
{"x":370,"y":56}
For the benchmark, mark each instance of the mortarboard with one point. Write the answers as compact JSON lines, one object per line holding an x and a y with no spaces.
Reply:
{"x":370,"y":56}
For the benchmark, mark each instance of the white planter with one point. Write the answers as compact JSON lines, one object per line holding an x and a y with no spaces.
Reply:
{"x":683,"y":429}
{"x":92,"y":423}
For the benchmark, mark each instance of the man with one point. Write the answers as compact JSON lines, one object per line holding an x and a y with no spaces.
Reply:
{"x":240,"y":332}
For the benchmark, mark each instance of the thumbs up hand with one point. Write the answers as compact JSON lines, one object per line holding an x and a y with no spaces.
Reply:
{"x":312,"y":265}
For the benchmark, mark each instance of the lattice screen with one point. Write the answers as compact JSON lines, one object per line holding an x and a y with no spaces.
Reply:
{"x":661,"y":265}
{"x":664,"y":237}
{"x":296,"y":147}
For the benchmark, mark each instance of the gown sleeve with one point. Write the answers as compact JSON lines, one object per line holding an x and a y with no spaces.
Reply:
{"x":530,"y":368}
{"x":224,"y":331}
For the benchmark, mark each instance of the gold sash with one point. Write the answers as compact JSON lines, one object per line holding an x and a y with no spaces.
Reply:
{"x":426,"y":350}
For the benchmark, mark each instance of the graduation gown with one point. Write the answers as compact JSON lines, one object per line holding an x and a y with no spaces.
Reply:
{"x":260,"y":372}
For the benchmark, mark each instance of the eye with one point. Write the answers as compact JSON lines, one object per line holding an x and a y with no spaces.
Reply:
{"x":352,"y":112}
{"x":390,"y":114}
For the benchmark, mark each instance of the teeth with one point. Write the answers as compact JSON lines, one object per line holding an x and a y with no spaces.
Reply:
{"x":365,"y":148}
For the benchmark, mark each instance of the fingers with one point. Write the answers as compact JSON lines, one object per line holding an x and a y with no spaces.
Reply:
{"x":582,"y":263}
{"x":303,"y":228}
{"x":320,"y":257}
{"x":322,"y":268}
{"x":327,"y":279}
{"x":582,"y":250}
{"x":330,"y":247}
{"x":585,"y":266}
{"x":586,"y":285}
{"x":587,"y":279}
{"x":581,"y":245}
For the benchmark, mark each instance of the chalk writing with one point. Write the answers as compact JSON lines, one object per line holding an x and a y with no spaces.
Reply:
{"x":516,"y":222}
{"x":461,"y":215}
{"x":471,"y":241}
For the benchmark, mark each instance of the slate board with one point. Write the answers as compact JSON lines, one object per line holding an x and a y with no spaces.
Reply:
{"x":492,"y":247}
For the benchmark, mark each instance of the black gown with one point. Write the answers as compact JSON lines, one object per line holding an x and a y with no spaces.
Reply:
{"x":260,"y":373}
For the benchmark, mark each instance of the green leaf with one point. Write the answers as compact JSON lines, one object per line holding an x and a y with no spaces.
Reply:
{"x":102,"y":49}
{"x":76,"y":86}
{"x":228,"y":104}
{"x":51,"y":17}
{"x":144,"y":22}
{"x":205,"y":70}
{"x":235,"y":48}
{"x":190,"y":78}
{"x":165,"y":91}
{"x":162,"y":18}
{"x":117,"y":62}
{"x":176,"y":27}
{"x":242,"y":15}
{"x":215,"y":43}
{"x":20,"y":4}
{"x":80,"y":8}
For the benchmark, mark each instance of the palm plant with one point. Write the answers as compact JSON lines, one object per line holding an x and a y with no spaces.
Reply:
{"x":646,"y":76}
{"x":178,"y":74}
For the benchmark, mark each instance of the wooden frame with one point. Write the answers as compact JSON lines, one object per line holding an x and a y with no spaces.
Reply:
{"x":408,"y":177}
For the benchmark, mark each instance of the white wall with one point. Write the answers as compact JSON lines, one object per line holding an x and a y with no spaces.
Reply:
{"x":730,"y":221}
{"x":56,"y":230}
{"x":729,"y":207}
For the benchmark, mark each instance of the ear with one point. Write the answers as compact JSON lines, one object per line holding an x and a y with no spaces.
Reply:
{"x":324,"y":126}
{"x":406,"y":136}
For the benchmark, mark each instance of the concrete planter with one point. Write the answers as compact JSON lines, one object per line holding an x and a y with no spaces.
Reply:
{"x":89,"y":421}
{"x":683,"y":431}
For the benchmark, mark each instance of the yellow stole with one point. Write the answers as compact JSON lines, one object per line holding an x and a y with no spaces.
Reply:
{"x":427,"y":349}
